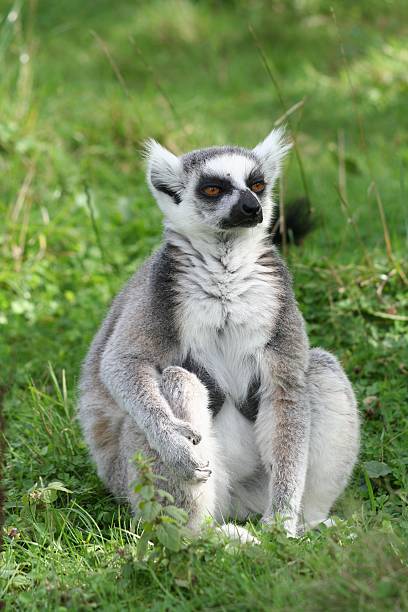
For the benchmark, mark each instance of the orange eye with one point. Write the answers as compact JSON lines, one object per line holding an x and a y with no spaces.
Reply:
{"x":212,"y":191}
{"x":258,"y":187}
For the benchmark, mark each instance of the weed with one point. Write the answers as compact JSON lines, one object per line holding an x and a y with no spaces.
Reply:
{"x":163,"y":523}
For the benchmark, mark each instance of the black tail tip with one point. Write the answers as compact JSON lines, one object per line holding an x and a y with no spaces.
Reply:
{"x":299,"y":222}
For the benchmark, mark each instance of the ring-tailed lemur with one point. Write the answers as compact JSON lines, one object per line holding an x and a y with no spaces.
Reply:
{"x":203,"y":361}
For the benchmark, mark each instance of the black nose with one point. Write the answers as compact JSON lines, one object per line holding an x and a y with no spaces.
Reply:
{"x":248,"y":204}
{"x":246,"y":212}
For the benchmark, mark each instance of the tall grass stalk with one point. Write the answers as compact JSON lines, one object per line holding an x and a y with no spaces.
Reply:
{"x":286,"y":110}
{"x":363,"y":141}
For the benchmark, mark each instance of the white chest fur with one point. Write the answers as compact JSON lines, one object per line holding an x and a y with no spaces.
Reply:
{"x":227,"y":304}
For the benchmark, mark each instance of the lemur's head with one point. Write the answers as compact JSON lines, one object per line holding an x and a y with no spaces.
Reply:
{"x":216,"y":189}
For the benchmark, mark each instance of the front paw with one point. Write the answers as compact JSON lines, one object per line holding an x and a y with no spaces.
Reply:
{"x":188,"y":467}
{"x":184,"y":429}
{"x":177,"y":452}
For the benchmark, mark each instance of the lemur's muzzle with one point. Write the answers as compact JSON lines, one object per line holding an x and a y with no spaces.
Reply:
{"x":247,"y":212}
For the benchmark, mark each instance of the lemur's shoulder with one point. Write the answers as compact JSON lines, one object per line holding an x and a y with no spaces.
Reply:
{"x":144,"y":307}
{"x":150,"y":286}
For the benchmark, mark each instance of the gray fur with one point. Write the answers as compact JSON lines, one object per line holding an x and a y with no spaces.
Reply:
{"x":203,"y":363}
{"x":195,"y":160}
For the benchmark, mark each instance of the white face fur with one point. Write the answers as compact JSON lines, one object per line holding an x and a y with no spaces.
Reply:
{"x":220,"y":189}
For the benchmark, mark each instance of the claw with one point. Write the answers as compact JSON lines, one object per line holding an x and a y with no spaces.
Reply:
{"x":201,"y":475}
{"x":195,"y":439}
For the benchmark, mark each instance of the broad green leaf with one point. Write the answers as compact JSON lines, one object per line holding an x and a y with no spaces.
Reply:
{"x":178,"y":514}
{"x":58,"y":486}
{"x":147,"y":492}
{"x":48,"y":496}
{"x":165,"y":494}
{"x":169,"y":536}
{"x":376,"y":469}
{"x":150,"y":510}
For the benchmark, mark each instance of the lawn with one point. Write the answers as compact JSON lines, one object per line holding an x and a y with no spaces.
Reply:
{"x":82,"y":85}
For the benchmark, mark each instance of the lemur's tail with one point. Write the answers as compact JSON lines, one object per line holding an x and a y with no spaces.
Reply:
{"x":299,"y":222}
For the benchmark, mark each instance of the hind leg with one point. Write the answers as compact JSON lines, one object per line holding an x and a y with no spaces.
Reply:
{"x":334,"y":437}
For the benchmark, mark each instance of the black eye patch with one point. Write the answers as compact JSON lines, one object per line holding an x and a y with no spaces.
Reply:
{"x":225,"y":186}
{"x":160,"y":186}
{"x":256,"y":176}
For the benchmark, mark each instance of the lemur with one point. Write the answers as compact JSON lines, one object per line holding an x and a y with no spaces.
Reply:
{"x":203,"y":362}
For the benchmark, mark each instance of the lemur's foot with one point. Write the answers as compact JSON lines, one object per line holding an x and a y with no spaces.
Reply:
{"x":182,"y":387}
{"x":289,"y":523}
{"x":238,"y":534}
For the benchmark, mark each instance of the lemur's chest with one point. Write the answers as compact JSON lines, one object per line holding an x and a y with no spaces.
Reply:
{"x":226,"y":316}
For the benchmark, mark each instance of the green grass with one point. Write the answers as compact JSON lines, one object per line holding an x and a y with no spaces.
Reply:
{"x":99,"y":80}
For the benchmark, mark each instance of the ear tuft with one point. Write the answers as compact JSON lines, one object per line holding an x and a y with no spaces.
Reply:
{"x":164,"y":170}
{"x":273,"y":150}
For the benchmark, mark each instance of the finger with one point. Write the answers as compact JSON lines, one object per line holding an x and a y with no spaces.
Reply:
{"x":195,"y":439}
{"x":192,"y":435}
{"x":202,"y":475}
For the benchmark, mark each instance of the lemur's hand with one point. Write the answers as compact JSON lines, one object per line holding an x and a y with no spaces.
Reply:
{"x":184,"y":393}
{"x":176,"y":448}
{"x":185,"y":429}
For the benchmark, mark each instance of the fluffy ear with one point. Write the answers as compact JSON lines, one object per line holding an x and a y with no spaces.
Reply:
{"x":164,"y":170}
{"x":272,"y":151}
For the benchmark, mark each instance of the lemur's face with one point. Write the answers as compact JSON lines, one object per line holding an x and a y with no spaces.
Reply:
{"x":221,"y":189}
